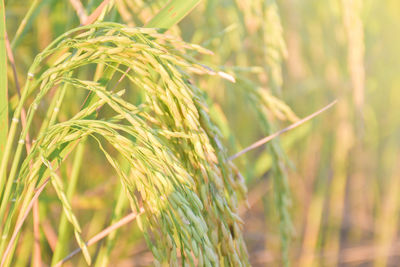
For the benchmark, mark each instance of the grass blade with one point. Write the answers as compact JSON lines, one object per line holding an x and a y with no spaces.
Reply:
{"x":26,"y":22}
{"x":3,"y":81}
{"x":172,"y":13}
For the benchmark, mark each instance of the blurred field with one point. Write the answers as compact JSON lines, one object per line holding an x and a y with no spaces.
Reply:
{"x":327,"y":192}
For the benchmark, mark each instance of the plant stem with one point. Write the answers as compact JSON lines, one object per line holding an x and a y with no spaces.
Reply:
{"x":128,"y":218}
{"x":25,"y":22}
{"x":3,"y":82}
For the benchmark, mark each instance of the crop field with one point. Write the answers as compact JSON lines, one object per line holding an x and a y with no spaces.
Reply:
{"x":199,"y":133}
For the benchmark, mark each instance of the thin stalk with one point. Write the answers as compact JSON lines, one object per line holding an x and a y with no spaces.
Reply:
{"x":10,"y":56}
{"x":28,"y":204}
{"x":276,"y":134}
{"x":80,"y":10}
{"x":3,"y":83}
{"x":36,"y":255}
{"x":14,"y":166}
{"x":25,"y":21}
{"x":128,"y":218}
{"x":99,"y":12}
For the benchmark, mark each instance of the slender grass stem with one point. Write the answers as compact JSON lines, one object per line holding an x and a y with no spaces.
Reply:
{"x":26,"y":208}
{"x":25,"y":22}
{"x":276,"y":134}
{"x":36,"y":255}
{"x":80,"y":10}
{"x":3,"y":84}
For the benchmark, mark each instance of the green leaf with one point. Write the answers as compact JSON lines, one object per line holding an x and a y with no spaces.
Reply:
{"x":3,"y":81}
{"x":172,"y":13}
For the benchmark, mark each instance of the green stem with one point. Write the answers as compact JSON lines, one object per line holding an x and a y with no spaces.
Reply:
{"x":15,"y":163}
{"x":25,"y":22}
{"x":3,"y":82}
